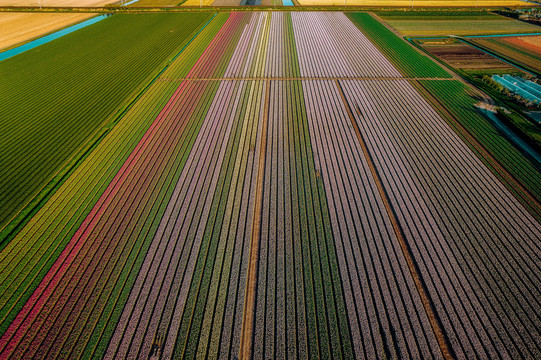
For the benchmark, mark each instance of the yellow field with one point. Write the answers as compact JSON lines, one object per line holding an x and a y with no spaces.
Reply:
{"x":196,"y":3}
{"x":19,"y":27}
{"x":418,"y":3}
{"x":155,"y":3}
{"x":532,"y":40}
{"x":58,"y":3}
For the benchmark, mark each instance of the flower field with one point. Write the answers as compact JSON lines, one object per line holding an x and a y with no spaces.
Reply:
{"x":524,"y":50}
{"x":281,"y":185}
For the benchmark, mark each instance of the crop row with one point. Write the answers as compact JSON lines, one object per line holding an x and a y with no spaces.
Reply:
{"x":209,"y":246}
{"x":379,"y":292}
{"x":329,"y":45}
{"x":29,"y":256}
{"x":515,"y":49}
{"x":216,"y":58}
{"x":474,"y":243}
{"x":300,"y":311}
{"x":405,"y":57}
{"x":454,"y":96}
{"x":152,"y":309}
{"x":58,"y":96}
{"x":145,"y":250}
{"x":103,"y":247}
{"x":183,"y":231}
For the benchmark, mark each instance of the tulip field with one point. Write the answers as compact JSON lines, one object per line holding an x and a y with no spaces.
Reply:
{"x":280,"y":185}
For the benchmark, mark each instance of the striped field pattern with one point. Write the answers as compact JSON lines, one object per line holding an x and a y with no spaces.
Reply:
{"x":281,"y":189}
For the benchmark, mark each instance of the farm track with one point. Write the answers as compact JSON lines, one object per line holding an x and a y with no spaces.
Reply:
{"x":428,"y":306}
{"x":238,"y":214}
{"x":377,"y":299}
{"x":276,"y":194}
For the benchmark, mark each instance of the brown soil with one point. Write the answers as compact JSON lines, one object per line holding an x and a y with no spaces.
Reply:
{"x":463,"y":56}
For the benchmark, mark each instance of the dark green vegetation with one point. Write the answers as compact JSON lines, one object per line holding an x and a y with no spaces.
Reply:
{"x":519,"y":124}
{"x":57,"y":98}
{"x":407,"y":60}
{"x":463,"y":60}
{"x":454,"y":96}
{"x":515,"y":117}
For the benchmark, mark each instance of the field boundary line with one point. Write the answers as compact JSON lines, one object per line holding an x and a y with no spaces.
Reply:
{"x":237,"y":8}
{"x":247,"y":335}
{"x":427,"y":303}
{"x":240,"y":78}
{"x":514,"y":185}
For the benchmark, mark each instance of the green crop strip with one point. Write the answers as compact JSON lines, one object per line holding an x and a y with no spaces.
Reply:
{"x":112,"y":310}
{"x":182,"y":66}
{"x":213,"y":230}
{"x":437,"y":15}
{"x":317,"y":211}
{"x":453,"y":95}
{"x":221,"y":209}
{"x":403,"y":56}
{"x":52,"y":227}
{"x":56,"y":97}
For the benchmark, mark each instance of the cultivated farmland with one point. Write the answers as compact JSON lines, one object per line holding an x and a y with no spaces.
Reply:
{"x":59,"y":3}
{"x":523,"y":50}
{"x":443,"y":23}
{"x":21,"y":27}
{"x":418,"y":3}
{"x":460,"y":55}
{"x":280,"y":185}
{"x":49,"y":128}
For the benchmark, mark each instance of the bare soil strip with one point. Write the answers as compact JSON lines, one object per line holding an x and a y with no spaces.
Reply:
{"x":251,"y":282}
{"x":438,"y":332}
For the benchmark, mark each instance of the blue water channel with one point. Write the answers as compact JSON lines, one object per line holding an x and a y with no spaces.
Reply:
{"x":47,"y":38}
{"x":287,"y":3}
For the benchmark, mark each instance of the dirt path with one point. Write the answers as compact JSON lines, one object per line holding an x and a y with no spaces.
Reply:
{"x":251,"y":282}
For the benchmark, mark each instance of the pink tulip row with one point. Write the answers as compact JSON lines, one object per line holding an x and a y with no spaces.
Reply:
{"x":474,"y":243}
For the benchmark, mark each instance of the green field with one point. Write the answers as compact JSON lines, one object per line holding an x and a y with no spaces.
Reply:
{"x":84,"y":190}
{"x":87,"y":76}
{"x":405,"y":57}
{"x":441,"y":23}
